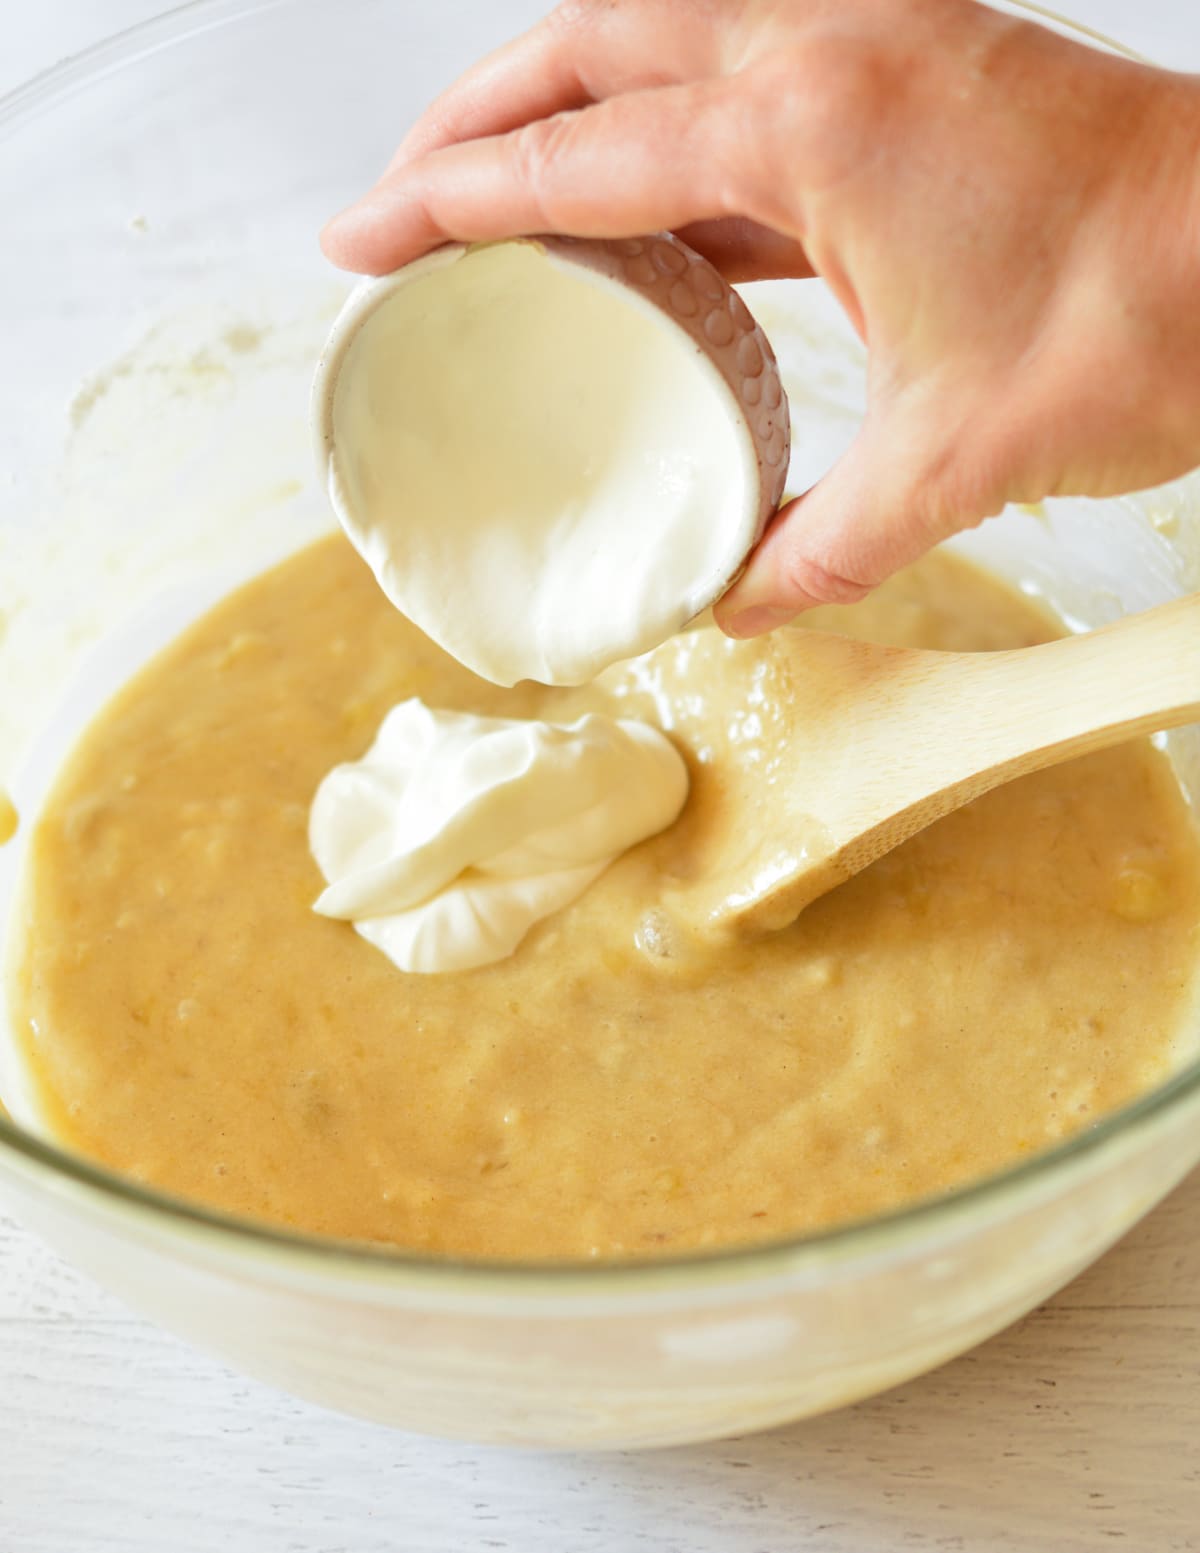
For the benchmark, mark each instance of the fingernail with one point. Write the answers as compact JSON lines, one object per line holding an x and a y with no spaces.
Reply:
{"x":756,"y":621}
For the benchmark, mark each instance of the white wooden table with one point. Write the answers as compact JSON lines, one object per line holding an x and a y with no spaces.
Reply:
{"x":1078,"y":1429}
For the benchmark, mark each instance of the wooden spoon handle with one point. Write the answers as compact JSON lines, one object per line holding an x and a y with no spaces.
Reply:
{"x":1037,"y":706}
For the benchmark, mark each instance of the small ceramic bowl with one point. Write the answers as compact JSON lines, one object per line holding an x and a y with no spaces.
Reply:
{"x":719,"y":361}
{"x":696,"y":297}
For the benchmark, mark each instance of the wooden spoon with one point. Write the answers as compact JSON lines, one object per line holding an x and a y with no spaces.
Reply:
{"x":890,"y":739}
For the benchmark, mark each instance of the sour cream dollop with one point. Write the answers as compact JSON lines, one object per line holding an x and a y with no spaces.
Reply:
{"x":454,"y":833}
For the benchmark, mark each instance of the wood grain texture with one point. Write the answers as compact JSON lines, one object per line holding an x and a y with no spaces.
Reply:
{"x":1077,"y":1430}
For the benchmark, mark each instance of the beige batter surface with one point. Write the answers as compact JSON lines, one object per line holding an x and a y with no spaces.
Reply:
{"x":994,"y":985}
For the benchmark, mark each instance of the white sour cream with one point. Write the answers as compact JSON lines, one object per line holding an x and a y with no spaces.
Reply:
{"x":542,"y":470}
{"x":454,"y":834}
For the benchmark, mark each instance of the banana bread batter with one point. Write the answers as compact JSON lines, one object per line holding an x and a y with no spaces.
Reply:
{"x":997,"y":983}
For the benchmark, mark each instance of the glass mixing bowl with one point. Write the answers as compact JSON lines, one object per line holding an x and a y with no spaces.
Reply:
{"x":161,"y":196}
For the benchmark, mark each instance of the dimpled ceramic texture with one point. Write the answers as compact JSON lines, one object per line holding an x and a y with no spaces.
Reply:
{"x":697,"y":298}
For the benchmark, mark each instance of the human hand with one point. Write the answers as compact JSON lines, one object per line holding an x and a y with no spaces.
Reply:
{"x":1008,"y":218}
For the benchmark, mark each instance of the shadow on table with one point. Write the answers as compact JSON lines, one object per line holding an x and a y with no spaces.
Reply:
{"x":1078,"y":1427}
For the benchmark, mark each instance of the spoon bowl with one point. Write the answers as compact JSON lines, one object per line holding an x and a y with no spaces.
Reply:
{"x":895,"y":738}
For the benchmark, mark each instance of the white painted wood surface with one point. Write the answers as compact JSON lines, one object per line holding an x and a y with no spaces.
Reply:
{"x":1079,"y":1429}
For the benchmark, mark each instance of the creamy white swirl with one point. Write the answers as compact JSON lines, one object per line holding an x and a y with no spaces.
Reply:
{"x":454,"y":834}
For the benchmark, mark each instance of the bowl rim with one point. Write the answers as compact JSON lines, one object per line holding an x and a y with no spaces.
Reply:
{"x":50,"y":1164}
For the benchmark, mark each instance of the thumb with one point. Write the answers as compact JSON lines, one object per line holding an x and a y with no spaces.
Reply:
{"x":869,"y":516}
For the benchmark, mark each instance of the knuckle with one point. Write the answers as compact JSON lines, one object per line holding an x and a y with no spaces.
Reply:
{"x":806,"y":577}
{"x":832,"y":94}
{"x":741,"y":149}
{"x":572,"y":17}
{"x":965,"y":474}
{"x":538,"y":150}
{"x":569,"y":15}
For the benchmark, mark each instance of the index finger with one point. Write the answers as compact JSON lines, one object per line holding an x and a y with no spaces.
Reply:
{"x":637,"y":163}
{"x":531,"y":77}
{"x":580,"y":53}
